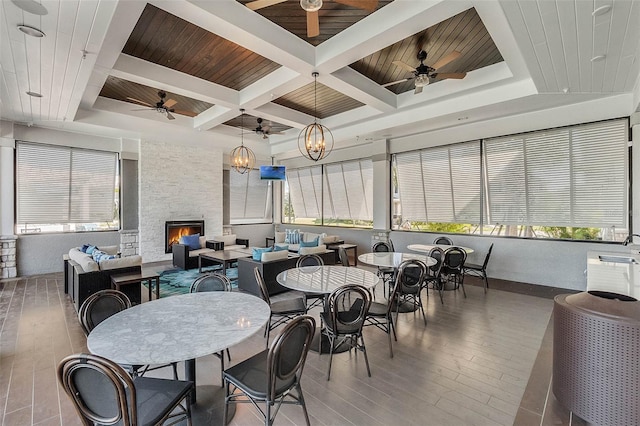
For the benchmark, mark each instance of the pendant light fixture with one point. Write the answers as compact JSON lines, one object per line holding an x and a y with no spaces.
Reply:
{"x":242,"y":158}
{"x":315,"y":141}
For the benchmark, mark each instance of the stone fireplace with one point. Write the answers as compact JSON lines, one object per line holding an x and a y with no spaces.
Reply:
{"x":175,"y":229}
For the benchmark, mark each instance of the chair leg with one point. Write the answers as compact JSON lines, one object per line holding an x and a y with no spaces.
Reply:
{"x":174,"y":366}
{"x":304,"y":405}
{"x":364,"y":349}
{"x":424,"y":317}
{"x":221,"y":355}
{"x":227,"y":399}
{"x":330,"y":356}
{"x":486,"y":280}
{"x":389,"y":328}
{"x":229,"y":355}
{"x":462,"y":285}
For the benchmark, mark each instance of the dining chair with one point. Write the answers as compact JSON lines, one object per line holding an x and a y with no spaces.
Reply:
{"x":387,"y":274}
{"x":443,"y":240}
{"x":283,"y":310}
{"x":271,"y":375}
{"x":102,"y":392}
{"x":343,"y":319}
{"x":213,"y":281}
{"x":313,"y":299}
{"x":479,"y":271}
{"x":100,"y":306}
{"x":343,"y":256}
{"x":452,"y":267}
{"x":433,"y":277}
{"x":380,"y":315}
{"x":409,"y":283}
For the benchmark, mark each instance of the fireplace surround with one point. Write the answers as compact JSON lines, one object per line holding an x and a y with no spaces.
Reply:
{"x":174,"y":229}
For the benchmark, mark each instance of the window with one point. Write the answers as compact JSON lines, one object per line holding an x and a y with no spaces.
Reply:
{"x":65,"y":189}
{"x":339,"y":194}
{"x":568,"y":183}
{"x":249,"y":198}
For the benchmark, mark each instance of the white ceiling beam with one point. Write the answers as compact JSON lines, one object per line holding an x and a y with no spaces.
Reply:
{"x":214,"y":116}
{"x":353,"y":84}
{"x":270,"y":87}
{"x":283,"y":115}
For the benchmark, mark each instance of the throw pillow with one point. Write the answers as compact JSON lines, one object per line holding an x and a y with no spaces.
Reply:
{"x":91,"y":249}
{"x":281,"y":247}
{"x":193,"y":241}
{"x":99,"y":255}
{"x":293,"y":236}
{"x":84,"y":248}
{"x":257,"y":252}
{"x":312,"y":243}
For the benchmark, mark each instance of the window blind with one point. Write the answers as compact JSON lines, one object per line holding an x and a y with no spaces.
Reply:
{"x":574,"y":176}
{"x":349,"y":191}
{"x":441,"y":184}
{"x":250,"y":198}
{"x":58,"y":185}
{"x":305,"y":191}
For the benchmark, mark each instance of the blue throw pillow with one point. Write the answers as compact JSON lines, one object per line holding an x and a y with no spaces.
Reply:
{"x":281,"y":247}
{"x":312,"y":243}
{"x":257,"y":252}
{"x":193,"y":241}
{"x":293,"y":236}
{"x":99,"y":255}
{"x":91,"y":249}
{"x":84,"y":248}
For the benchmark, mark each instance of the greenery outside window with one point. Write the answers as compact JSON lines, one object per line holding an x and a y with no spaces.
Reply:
{"x":64,"y":189}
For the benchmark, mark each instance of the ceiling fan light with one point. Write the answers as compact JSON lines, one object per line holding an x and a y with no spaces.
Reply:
{"x":422,"y":80}
{"x":311,"y":5}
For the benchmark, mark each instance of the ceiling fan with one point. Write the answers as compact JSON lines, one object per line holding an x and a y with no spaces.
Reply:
{"x":162,"y":106}
{"x":312,"y":7}
{"x":265,"y":130}
{"x":422,"y":73}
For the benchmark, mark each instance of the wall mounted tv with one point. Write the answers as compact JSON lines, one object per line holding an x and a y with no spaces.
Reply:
{"x":272,"y":172}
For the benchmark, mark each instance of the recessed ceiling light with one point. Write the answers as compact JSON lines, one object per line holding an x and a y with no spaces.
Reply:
{"x":34,"y":94}
{"x":33,"y":32}
{"x":601,"y":10}
{"x":598,"y":58}
{"x":462,"y":118}
{"x":31,"y":6}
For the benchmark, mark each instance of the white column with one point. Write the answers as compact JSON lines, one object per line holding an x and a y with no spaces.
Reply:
{"x":7,"y":147}
{"x":635,"y":178}
{"x":381,"y":189}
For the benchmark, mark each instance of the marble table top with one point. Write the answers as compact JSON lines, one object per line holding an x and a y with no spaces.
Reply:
{"x":393,"y":259}
{"x":325,"y":279}
{"x":426,"y":248}
{"x":178,"y":328}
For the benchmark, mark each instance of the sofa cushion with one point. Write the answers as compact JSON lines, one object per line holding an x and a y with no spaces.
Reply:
{"x":312,"y":250}
{"x":274,"y":255}
{"x":121,"y":262}
{"x":84,"y":260}
{"x":328,"y":239}
{"x":312,"y":243}
{"x":193,"y":241}
{"x":280,"y":237}
{"x":196,"y":253}
{"x":228,"y":240}
{"x":257,"y":252}
{"x":310,"y":236}
{"x":281,"y":247}
{"x":90,"y":249}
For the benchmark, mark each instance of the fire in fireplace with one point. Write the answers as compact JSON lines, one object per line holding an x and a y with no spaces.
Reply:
{"x":175,"y":229}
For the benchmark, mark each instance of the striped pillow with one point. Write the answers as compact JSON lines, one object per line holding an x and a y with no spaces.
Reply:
{"x":293,"y":236}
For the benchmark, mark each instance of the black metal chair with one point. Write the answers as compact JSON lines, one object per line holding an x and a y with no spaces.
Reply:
{"x":452,"y":265}
{"x":343,"y":256}
{"x":213,"y":281}
{"x":479,"y":271}
{"x":380,"y":315}
{"x":282,"y":311}
{"x":313,"y":299}
{"x":102,"y":392}
{"x":100,"y":306}
{"x":443,"y":240}
{"x":409,"y":283}
{"x":387,"y":274}
{"x":343,"y":319}
{"x":432,"y":277}
{"x":271,"y":375}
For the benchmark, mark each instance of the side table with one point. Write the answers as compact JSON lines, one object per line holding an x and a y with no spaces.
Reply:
{"x":272,"y":239}
{"x":346,"y":247}
{"x":119,"y":280}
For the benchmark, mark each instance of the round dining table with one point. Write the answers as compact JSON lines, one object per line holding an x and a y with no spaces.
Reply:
{"x":426,"y":248}
{"x":385,"y":259}
{"x":324,"y":280}
{"x":181,"y":328}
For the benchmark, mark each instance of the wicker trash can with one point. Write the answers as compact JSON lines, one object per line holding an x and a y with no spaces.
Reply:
{"x":596,"y":356}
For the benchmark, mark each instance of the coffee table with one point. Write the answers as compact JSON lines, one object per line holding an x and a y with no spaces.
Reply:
{"x":223,"y":257}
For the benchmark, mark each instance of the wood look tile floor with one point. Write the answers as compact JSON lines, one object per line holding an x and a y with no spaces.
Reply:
{"x":471,"y":365}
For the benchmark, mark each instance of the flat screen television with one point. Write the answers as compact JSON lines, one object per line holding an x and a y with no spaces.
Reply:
{"x":272,"y":172}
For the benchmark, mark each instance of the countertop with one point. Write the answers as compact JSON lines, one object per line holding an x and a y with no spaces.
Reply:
{"x":614,"y":276}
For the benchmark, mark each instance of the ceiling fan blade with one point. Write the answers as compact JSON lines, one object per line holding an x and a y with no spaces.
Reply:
{"x":259,"y":4}
{"x":313,"y":24}
{"x":169,"y":103}
{"x":444,"y":61}
{"x":368,"y":5}
{"x":187,"y":113}
{"x":140,"y":102}
{"x":457,"y":75}
{"x":418,"y":90}
{"x":397,"y":81}
{"x":403,"y":65}
{"x":144,"y":109}
{"x":169,"y":116}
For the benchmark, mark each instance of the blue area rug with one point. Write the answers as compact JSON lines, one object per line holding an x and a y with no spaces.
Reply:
{"x":178,"y":281}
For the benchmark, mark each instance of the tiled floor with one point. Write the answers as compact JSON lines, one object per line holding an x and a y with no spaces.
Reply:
{"x":472,"y":363}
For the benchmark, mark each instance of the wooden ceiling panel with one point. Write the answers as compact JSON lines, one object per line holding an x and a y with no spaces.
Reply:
{"x":334,"y":18}
{"x":329,"y":102}
{"x":464,"y":32}
{"x":124,"y":90}
{"x":167,"y":40}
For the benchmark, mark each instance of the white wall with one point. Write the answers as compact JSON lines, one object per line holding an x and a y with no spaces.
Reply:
{"x":177,"y":181}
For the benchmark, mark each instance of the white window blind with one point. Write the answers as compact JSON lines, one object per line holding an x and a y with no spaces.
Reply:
{"x":249,"y":199}
{"x":56,"y":184}
{"x":574,"y":176}
{"x":441,"y":184}
{"x":305,"y":191}
{"x":349,"y":191}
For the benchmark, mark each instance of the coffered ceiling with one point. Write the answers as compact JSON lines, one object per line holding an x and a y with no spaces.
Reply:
{"x":101,"y":64}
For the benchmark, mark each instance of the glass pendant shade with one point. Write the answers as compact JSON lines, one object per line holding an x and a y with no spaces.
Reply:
{"x":311,"y":5}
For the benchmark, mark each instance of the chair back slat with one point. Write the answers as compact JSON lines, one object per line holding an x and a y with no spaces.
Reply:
{"x":411,"y":274}
{"x":309,"y":260}
{"x":349,"y":305}
{"x":264,"y":292}
{"x":100,"y":306}
{"x":211,"y":282}
{"x":443,"y":240}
